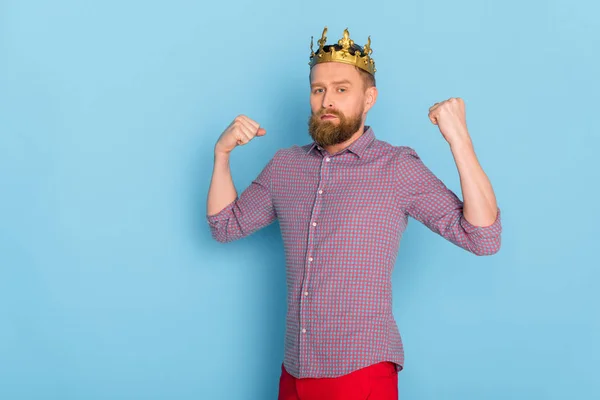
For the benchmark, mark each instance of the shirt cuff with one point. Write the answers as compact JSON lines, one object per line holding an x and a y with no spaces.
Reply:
{"x":222,"y":215}
{"x":489,"y":231}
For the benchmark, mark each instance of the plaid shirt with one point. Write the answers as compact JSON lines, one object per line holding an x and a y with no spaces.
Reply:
{"x":342,"y":217}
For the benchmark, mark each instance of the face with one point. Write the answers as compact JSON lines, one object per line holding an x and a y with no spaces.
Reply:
{"x":339,"y":102}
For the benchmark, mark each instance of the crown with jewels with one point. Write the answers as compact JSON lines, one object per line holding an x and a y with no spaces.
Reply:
{"x":345,"y":52}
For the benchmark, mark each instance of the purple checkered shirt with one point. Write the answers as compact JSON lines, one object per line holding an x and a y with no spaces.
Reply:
{"x":342,"y":217}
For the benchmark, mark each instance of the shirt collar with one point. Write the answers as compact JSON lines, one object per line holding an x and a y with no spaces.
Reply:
{"x":359,"y":146}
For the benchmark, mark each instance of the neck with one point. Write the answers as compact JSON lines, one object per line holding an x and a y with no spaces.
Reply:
{"x":341,"y":146}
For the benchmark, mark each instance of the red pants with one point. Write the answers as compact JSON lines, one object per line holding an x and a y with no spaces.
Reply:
{"x":376,"y":382}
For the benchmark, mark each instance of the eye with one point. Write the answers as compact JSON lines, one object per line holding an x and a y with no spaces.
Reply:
{"x":319,"y":90}
{"x":341,"y":90}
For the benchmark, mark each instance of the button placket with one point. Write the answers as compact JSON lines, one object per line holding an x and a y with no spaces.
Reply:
{"x":309,"y":260}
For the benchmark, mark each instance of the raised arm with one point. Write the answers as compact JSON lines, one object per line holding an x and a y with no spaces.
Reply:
{"x":478,"y":195}
{"x":231,"y":217}
{"x":473,"y":223}
{"x":423,"y":196}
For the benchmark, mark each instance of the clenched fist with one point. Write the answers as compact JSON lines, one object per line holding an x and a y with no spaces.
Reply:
{"x":450,"y":117}
{"x":239,"y":132}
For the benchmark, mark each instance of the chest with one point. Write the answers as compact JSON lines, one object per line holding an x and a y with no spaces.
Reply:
{"x":341,"y":192}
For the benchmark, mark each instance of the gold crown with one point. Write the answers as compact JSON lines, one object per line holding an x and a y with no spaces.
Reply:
{"x":361,"y":57}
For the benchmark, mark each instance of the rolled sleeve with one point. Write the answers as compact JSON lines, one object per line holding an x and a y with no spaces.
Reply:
{"x":249,"y":212}
{"x":484,"y":240}
{"x":427,"y":199}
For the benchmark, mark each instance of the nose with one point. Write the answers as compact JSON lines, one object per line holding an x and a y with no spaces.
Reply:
{"x":327,"y":101}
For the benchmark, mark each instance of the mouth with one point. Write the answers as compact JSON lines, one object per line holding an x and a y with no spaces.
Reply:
{"x":328,"y":117}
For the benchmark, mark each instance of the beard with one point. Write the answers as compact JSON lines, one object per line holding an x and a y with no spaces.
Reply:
{"x":327,"y":133}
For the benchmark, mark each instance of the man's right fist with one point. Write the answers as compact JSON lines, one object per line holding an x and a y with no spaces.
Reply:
{"x":239,"y":132}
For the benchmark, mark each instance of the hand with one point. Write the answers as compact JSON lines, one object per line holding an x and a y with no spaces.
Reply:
{"x":239,"y":132}
{"x":450,"y":117}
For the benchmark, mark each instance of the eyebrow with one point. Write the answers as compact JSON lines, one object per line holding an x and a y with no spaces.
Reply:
{"x":343,"y":82}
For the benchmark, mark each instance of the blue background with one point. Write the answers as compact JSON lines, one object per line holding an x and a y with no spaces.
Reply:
{"x":111,"y":286}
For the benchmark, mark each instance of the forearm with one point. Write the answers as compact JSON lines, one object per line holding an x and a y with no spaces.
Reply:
{"x":480,"y":207}
{"x":222,"y":190}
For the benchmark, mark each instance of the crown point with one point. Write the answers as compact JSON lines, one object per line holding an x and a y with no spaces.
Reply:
{"x":359,"y":58}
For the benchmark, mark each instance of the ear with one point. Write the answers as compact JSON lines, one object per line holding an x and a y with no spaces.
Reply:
{"x":370,"y":97}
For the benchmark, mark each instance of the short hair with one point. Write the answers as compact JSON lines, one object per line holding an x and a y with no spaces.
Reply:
{"x":368,"y":79}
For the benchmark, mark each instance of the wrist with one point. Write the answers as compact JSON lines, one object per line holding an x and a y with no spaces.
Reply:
{"x":221,"y":155}
{"x":461,"y":143}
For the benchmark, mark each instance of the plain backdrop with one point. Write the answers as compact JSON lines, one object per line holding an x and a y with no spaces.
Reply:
{"x":111,"y":286}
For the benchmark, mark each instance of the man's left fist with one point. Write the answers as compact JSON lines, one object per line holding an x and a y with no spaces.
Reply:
{"x":450,"y":117}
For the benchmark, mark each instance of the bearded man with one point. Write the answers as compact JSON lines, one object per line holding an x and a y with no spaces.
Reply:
{"x":343,"y":202}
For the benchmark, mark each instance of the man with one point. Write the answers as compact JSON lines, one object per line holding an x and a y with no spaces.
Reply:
{"x":343,"y":203}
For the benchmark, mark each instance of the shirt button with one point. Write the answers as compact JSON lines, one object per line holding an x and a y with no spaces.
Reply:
{"x":303,"y":330}
{"x":328,"y":159}
{"x":314,"y":224}
{"x":320,"y":192}
{"x":306,"y":293}
{"x":310,"y":258}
